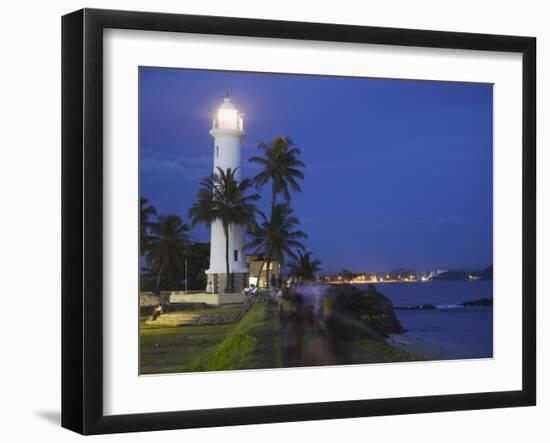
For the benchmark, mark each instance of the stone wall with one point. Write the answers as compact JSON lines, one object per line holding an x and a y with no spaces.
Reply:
{"x":147,"y":298}
{"x":240,"y":281}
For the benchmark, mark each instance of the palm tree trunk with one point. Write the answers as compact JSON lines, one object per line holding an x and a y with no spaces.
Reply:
{"x":228,"y":285}
{"x":260,"y":274}
{"x":273,"y":203}
{"x":158,"y":278}
{"x":273,"y":195}
{"x":268,"y":262}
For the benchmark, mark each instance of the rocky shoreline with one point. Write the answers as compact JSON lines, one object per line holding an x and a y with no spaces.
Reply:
{"x":429,"y":350}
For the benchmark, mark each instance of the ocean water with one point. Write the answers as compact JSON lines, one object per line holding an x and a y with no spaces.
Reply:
{"x":452,"y":332}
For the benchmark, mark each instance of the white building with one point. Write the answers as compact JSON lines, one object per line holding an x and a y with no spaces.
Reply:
{"x":227,"y":131}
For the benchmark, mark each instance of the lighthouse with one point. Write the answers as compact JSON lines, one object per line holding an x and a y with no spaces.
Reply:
{"x":227,"y":131}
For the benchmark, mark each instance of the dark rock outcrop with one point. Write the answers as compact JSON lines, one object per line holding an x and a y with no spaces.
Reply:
{"x":369,"y":307}
{"x":480,"y":302}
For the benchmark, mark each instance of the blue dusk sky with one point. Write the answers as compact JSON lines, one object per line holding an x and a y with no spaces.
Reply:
{"x":398,"y":172}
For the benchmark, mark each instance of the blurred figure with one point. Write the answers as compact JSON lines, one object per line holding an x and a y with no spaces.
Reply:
{"x":293,"y":330}
{"x":279,"y":299}
{"x":289,"y":282}
{"x":250,"y":295}
{"x":328,"y":314}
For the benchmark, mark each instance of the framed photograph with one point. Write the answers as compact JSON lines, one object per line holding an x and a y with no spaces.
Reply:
{"x":269,"y":221}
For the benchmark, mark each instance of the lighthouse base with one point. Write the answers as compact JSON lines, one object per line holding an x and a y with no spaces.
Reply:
{"x":217,"y":283}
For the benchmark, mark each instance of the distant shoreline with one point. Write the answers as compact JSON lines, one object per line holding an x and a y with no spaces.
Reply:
{"x":482,"y":302}
{"x":373,"y":282}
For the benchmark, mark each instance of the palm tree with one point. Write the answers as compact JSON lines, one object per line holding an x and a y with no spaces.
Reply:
{"x":146,"y":212}
{"x":168,"y":244}
{"x":304,"y":267}
{"x":276,"y":238}
{"x":222,"y":197}
{"x":281,"y":166}
{"x":148,"y":279}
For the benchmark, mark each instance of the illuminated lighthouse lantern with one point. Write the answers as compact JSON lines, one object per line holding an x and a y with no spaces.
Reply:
{"x":227,"y":131}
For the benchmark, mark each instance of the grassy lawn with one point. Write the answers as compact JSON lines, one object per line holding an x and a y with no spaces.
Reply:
{"x":242,"y":348}
{"x":172,"y":349}
{"x":170,"y":345}
{"x":175,"y":343}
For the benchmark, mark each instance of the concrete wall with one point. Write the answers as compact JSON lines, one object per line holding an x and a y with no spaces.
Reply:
{"x":209,"y":299}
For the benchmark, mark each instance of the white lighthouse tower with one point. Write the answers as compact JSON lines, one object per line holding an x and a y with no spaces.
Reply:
{"x":227,"y":131}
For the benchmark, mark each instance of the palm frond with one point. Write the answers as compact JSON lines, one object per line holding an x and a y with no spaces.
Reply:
{"x":280,"y":165}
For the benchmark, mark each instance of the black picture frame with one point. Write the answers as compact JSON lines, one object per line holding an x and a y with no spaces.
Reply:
{"x":82,"y":218}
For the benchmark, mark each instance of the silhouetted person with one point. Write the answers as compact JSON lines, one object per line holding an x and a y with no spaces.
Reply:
{"x":156,"y":312}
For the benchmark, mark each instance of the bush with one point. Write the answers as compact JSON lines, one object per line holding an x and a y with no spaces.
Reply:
{"x":381,"y":323}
